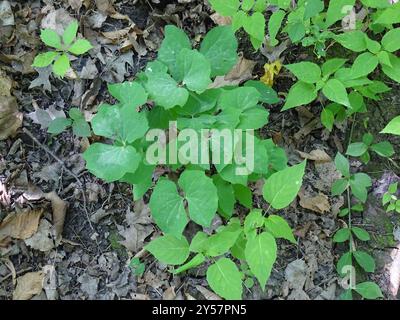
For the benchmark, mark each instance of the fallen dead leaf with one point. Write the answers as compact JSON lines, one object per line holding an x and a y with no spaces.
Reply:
{"x":242,"y":71}
{"x":139,"y":227}
{"x":209,"y":295}
{"x":5,"y":84}
{"x":220,"y":20}
{"x":169,"y":294}
{"x":28,"y":285}
{"x":21,"y":225}
{"x":316,"y":155}
{"x":271,"y":70}
{"x":59,"y":208}
{"x":10,"y":117}
{"x":45,"y":238}
{"x":319,"y":203}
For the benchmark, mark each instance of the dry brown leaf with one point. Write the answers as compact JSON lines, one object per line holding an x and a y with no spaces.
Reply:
{"x":169,"y":294}
{"x":5,"y":84}
{"x":20,"y":226}
{"x":59,"y":208}
{"x":242,"y":71}
{"x":105,"y":6}
{"x":10,"y":117}
{"x":319,"y":203}
{"x":207,"y":293}
{"x":220,"y":20}
{"x":117,"y":35}
{"x":28,"y":285}
{"x":316,"y":155}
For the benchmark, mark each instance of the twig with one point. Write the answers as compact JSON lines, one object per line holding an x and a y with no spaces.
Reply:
{"x":82,"y":188}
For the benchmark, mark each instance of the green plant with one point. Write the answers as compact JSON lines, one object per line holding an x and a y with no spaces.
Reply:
{"x":390,"y":199}
{"x":63,"y":45}
{"x":137,"y":267}
{"x":247,"y":14}
{"x":175,"y":89}
{"x":356,"y":184}
{"x":361,"y":149}
{"x":76,"y":120}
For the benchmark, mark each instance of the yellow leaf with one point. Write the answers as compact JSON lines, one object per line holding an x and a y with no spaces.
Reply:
{"x":271,"y":70}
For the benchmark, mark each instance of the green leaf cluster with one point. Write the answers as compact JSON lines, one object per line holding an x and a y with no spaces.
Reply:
{"x":65,"y":44}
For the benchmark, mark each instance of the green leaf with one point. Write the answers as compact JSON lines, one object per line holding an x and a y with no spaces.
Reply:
{"x":169,"y":249}
{"x":390,"y":41}
{"x":359,"y":184}
{"x":296,"y":31}
{"x":58,"y":125}
{"x":225,"y":7}
{"x":384,"y":58}
{"x":335,"y":91}
{"x":127,"y":92}
{"x":389,"y":15}
{"x":268,"y":95}
{"x":274,"y":24}
{"x":239,"y":247}
{"x":312,"y":8}
{"x":393,"y":127}
{"x":50,"y":38}
{"x":197,"y":260}
{"x":384,"y":149}
{"x":253,"y":220}
{"x":372,"y":45}
{"x":220,"y":48}
{"x":356,"y":149}
{"x":111,"y":163}
{"x":254,"y":25}
{"x":70,"y":33}
{"x":199,"y":242}
{"x":61,"y":66}
{"x":369,"y":290}
{"x":165,"y":91}
{"x":361,"y":234}
{"x":342,"y":164}
{"x":244,"y":195}
{"x":365,"y":261}
{"x":225,"y":279}
{"x":201,"y":195}
{"x":339,"y":186}
{"x":393,"y":72}
{"x":300,"y":93}
{"x":331,"y":66}
{"x":261,"y":255}
{"x":80,"y":46}
{"x":193,"y":70}
{"x":175,"y":40}
{"x":44,"y":59}
{"x":241,"y":98}
{"x":281,"y":188}
{"x":167,"y":208}
{"x":254,"y":118}
{"x":226,"y":196}
{"x":353,"y":40}
{"x":307,"y":72}
{"x":337,"y":10}
{"x":81,"y":128}
{"x":376,"y":3}
{"x":122,"y":123}
{"x":342,"y":235}
{"x":141,"y":180}
{"x":327,"y":118}
{"x":279,"y":228}
{"x":224,"y":239}
{"x":344,"y":263}
{"x":364,"y":64}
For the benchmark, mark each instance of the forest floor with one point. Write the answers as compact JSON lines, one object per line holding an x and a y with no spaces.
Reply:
{"x":103,"y":228}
